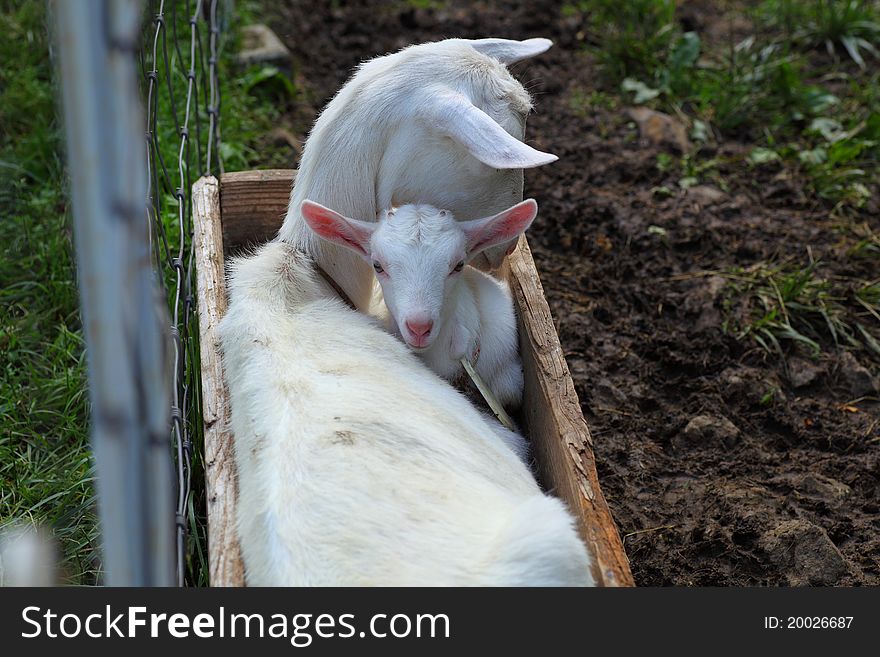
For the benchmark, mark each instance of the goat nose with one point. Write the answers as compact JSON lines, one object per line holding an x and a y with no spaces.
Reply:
{"x":420,"y":328}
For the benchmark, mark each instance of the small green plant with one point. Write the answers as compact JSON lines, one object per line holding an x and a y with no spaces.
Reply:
{"x":839,"y":161}
{"x":674,"y":77}
{"x":427,"y":4}
{"x":254,"y":100}
{"x":769,"y":397}
{"x":664,"y":162}
{"x":269,"y":78}
{"x":582,"y":102}
{"x":757,"y":86}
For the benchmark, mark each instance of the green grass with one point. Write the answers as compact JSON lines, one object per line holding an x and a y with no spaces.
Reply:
{"x":45,"y":471}
{"x":254,"y":101}
{"x":851,"y":27}
{"x":793,"y":303}
{"x":632,"y":37}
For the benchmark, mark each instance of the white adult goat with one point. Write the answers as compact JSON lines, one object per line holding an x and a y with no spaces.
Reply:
{"x":438,"y":123}
{"x":359,"y":466}
{"x":443,"y":309}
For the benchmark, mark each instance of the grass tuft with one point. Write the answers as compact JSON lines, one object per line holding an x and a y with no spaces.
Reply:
{"x":840,"y":26}
{"x":781,"y":304}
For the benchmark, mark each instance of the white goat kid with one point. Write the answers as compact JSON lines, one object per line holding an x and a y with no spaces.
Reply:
{"x":438,"y":123}
{"x":359,"y":466}
{"x":442,"y":308}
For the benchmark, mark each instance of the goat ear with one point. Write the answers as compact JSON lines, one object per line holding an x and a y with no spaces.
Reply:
{"x":508,"y":51}
{"x":455,"y":116}
{"x":335,"y":228}
{"x":482,"y":234}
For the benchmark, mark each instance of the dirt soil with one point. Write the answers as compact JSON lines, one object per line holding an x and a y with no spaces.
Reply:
{"x":708,"y":485}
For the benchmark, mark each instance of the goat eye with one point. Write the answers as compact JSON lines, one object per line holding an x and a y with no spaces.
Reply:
{"x":459,"y":266}
{"x":378,"y":268}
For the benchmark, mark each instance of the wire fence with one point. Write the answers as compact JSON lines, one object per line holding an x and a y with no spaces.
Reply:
{"x":153,"y":530}
{"x":179,"y":64}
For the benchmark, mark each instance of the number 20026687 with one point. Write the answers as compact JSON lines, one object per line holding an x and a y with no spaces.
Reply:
{"x":807,"y":622}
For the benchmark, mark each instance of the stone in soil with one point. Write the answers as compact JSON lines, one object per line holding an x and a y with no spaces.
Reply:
{"x":660,"y":129}
{"x":802,"y":372}
{"x":857,"y":377}
{"x":261,"y":45}
{"x":805,"y":552}
{"x":704,"y":194}
{"x":708,"y":430}
{"x":826,"y":488}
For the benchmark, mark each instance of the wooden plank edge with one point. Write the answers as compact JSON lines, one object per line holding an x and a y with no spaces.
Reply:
{"x":573,"y":451}
{"x":224,"y":556}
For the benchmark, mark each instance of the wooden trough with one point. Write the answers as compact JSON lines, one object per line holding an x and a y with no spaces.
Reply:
{"x":247,"y":208}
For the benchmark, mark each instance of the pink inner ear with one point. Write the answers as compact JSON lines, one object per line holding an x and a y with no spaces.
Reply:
{"x":332,"y":227}
{"x":514,"y":221}
{"x":505,"y":226}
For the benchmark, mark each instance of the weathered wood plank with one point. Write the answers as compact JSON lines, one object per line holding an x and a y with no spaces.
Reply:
{"x":555,"y":425}
{"x":224,"y":559}
{"x":253,"y":207}
{"x":254,"y":204}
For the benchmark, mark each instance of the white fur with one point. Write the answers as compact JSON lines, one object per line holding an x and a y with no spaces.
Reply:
{"x":419,"y":253}
{"x":437,"y":123}
{"x":359,"y":466}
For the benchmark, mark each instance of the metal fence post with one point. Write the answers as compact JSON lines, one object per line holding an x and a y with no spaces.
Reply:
{"x":127,"y":349}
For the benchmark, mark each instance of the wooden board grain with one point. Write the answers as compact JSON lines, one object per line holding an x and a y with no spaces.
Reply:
{"x":224,"y":559}
{"x":253,"y":205}
{"x":553,"y":420}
